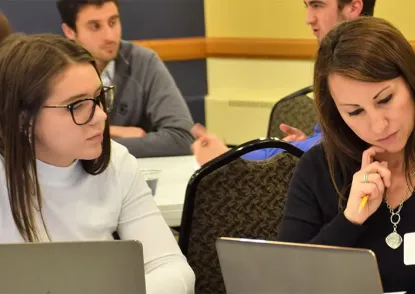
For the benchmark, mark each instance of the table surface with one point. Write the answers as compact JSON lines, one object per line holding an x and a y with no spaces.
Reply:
{"x":171,"y":187}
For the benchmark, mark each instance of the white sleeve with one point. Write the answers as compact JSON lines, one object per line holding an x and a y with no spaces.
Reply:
{"x":167,"y":270}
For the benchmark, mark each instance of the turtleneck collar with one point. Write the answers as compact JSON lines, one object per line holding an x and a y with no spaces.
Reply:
{"x":50,"y":175}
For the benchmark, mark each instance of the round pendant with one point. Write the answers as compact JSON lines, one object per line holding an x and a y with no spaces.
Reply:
{"x":394,"y":240}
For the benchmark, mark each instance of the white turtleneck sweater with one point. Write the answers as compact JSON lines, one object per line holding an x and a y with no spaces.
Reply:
{"x":82,"y":207}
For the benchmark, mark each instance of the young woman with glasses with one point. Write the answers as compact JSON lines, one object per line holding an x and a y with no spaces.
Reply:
{"x":62,"y":178}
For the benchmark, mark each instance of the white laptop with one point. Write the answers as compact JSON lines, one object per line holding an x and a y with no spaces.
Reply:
{"x":103,"y":267}
{"x":255,"y":266}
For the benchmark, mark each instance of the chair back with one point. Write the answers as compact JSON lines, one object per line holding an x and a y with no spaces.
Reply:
{"x":233,"y":197}
{"x":296,"y":110}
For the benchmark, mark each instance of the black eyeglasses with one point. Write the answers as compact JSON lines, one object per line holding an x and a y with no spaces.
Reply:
{"x":83,"y":111}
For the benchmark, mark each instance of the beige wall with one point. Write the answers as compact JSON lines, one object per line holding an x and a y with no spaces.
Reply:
{"x":265,"y":81}
{"x":286,"y":18}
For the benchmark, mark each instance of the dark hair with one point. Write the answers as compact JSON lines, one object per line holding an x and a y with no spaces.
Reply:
{"x":368,"y":6}
{"x":366,"y":49}
{"x":5,"y":29}
{"x":28,"y":66}
{"x":69,"y":9}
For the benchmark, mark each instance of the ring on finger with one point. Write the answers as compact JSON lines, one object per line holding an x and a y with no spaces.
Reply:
{"x":366,"y":178}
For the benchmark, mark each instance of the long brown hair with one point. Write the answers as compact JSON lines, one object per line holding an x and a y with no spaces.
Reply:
{"x":366,"y":49}
{"x":28,"y":65}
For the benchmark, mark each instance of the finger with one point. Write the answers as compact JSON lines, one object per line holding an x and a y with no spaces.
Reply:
{"x":204,"y":142}
{"x":376,"y":179}
{"x":198,"y":130}
{"x":381,"y":169}
{"x":369,"y":154}
{"x":289,"y":138}
{"x":288,"y":129}
{"x":141,"y":132}
{"x":196,"y":146}
{"x":369,"y":189}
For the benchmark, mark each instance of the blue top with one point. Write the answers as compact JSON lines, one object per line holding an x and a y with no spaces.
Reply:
{"x":305,"y":145}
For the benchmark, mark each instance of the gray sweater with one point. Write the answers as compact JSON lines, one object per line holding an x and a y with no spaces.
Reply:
{"x":146,"y":96}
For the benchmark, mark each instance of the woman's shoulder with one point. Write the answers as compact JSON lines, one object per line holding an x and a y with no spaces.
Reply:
{"x":313,"y":168}
{"x":315,"y":157}
{"x":121,"y":161}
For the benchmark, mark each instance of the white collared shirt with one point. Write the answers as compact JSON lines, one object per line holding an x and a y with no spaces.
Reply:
{"x":108,"y":74}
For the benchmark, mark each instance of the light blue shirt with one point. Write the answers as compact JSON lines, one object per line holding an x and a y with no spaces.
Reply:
{"x":305,"y":145}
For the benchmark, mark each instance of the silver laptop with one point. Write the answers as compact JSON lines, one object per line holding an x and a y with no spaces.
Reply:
{"x":254,"y":266}
{"x":104,"y":267}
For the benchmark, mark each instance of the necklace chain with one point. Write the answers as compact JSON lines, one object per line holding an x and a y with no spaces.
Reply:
{"x":394,"y":240}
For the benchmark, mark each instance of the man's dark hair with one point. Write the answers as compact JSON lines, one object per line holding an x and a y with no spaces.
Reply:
{"x":69,"y":9}
{"x":368,"y":6}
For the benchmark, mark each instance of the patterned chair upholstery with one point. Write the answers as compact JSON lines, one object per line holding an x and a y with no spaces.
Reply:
{"x":233,"y":197}
{"x":296,"y":110}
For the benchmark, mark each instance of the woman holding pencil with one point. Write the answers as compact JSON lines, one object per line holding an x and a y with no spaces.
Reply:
{"x":355,"y":188}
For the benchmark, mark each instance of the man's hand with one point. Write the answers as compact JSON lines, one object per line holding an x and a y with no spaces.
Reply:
{"x":126,"y":132}
{"x":293,"y":134}
{"x":207,"y":146}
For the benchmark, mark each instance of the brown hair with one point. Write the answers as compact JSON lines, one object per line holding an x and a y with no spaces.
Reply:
{"x":28,"y":65}
{"x":366,"y":49}
{"x":5,"y":29}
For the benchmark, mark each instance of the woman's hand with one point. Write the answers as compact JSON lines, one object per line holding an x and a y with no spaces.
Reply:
{"x":378,"y":178}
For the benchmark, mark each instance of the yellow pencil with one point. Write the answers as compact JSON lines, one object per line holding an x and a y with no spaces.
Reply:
{"x":363,"y":203}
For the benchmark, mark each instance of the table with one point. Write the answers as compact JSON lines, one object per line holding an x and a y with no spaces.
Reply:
{"x":171,"y":188}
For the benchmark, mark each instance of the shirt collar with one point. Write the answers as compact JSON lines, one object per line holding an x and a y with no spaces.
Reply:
{"x":107,"y":75}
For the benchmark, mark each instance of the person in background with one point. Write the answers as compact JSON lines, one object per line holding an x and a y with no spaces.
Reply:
{"x":322,"y":16}
{"x":62,"y":178}
{"x":364,"y":85}
{"x":5,"y":29}
{"x":150,"y":116}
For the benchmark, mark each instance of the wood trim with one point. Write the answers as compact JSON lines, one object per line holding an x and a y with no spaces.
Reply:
{"x":182,"y":49}
{"x":177,"y":49}
{"x":261,"y":48}
{"x":200,"y":48}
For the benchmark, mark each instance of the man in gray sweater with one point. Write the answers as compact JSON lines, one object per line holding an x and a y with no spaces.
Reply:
{"x":150,"y":116}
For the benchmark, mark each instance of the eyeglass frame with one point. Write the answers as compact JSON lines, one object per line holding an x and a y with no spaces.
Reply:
{"x":108,"y":104}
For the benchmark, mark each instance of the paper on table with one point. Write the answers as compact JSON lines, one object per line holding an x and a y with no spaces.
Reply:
{"x":404,"y":292}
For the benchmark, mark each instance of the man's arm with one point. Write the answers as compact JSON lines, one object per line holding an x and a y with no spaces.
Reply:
{"x":126,"y":132}
{"x":170,"y":118}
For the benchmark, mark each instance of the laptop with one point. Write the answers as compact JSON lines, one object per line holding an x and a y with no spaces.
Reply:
{"x":255,"y":266}
{"x":104,"y":267}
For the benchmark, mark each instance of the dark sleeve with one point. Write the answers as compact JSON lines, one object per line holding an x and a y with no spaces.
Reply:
{"x":310,"y":214}
{"x":169,"y":116}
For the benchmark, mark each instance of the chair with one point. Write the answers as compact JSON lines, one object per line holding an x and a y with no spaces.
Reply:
{"x":233,"y":197}
{"x":296,"y":110}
